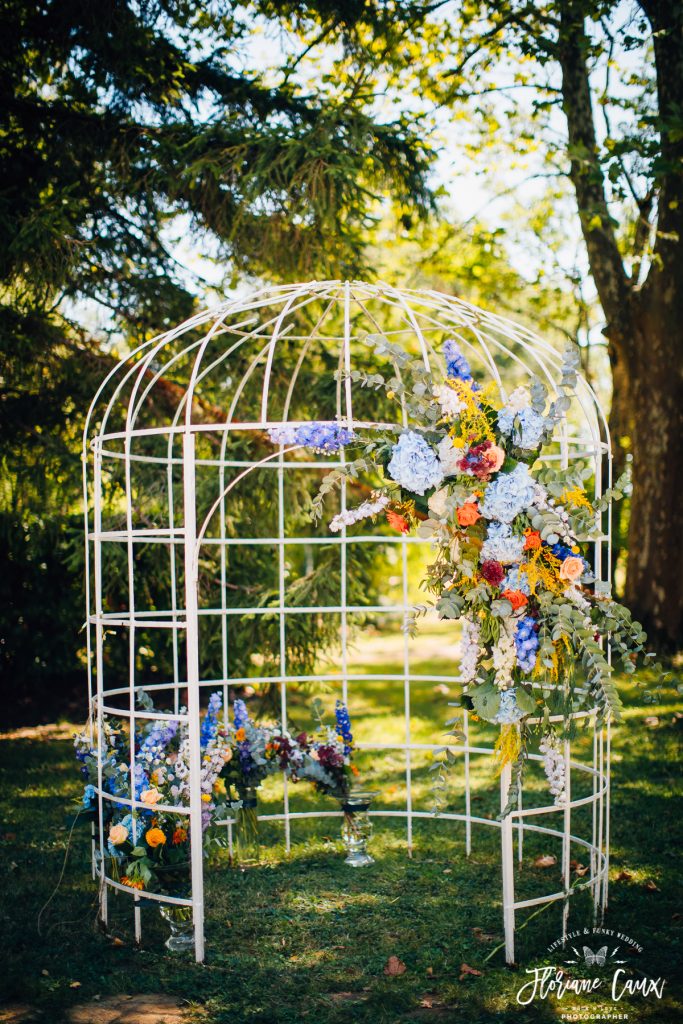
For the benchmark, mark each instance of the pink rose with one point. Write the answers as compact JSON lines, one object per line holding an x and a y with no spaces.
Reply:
{"x":494,"y":457}
{"x":571,"y":569}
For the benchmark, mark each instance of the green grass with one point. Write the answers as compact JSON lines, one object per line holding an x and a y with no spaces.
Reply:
{"x":304,"y":937}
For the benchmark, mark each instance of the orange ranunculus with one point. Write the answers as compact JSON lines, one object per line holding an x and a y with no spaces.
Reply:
{"x":516,"y":598}
{"x":571,"y":569}
{"x":397,"y":522}
{"x":179,"y":836}
{"x":532,"y":540}
{"x":468,"y":514}
{"x":240,"y":735}
{"x":155,"y":837}
{"x":132,"y":883}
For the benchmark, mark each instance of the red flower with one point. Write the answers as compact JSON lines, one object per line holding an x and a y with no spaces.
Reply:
{"x":397,"y":522}
{"x":493,"y":572}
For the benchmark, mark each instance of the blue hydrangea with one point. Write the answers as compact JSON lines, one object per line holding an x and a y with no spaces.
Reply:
{"x":526,"y":642}
{"x":525,"y":426}
{"x":89,"y":796}
{"x":341,"y":714}
{"x":457,"y":366}
{"x":509,"y":494}
{"x":508,"y":712}
{"x":414,"y":464}
{"x":501,"y":545}
{"x":323,"y":437}
{"x":517,"y":580}
{"x":135,"y":828}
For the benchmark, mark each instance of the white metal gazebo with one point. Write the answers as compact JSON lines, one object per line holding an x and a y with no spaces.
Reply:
{"x":169,"y":417}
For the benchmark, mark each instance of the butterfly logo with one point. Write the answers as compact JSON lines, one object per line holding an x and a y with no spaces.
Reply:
{"x":595,"y":959}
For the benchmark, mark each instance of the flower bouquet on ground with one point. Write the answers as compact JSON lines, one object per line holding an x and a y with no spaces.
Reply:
{"x":257,"y":752}
{"x":509,"y":534}
{"x":325,"y":758}
{"x":147,"y":848}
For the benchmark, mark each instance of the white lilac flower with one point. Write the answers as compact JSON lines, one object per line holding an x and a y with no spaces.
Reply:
{"x":509,"y":494}
{"x":504,"y":656}
{"x":508,"y":712}
{"x":470,"y":650}
{"x":501,"y":545}
{"x":353,"y":515}
{"x":414,"y":465}
{"x":449,"y":456}
{"x":517,"y":580}
{"x":451,"y":405}
{"x":554,"y":767}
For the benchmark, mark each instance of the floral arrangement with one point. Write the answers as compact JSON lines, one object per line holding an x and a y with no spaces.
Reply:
{"x":149,"y":848}
{"x":325,"y":757}
{"x":509,"y":534}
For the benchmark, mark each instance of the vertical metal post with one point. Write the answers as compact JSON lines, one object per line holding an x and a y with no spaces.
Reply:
{"x":192,"y":643}
{"x":99,"y":666}
{"x":507,"y":861}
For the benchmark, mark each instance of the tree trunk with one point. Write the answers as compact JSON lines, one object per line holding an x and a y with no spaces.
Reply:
{"x":654,"y":583}
{"x":643,"y":326}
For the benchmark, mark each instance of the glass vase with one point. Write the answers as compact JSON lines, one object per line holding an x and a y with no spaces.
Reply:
{"x":246,"y":839}
{"x":179,"y":919}
{"x":357,"y":827}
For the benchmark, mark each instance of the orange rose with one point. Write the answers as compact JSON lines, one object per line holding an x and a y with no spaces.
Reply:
{"x":468,"y":514}
{"x":494,"y":457}
{"x":397,"y":522}
{"x":571,"y":569}
{"x":532,"y":540}
{"x":516,"y":598}
{"x":150,"y":797}
{"x":155,"y":837}
{"x":240,"y":735}
{"x":179,"y":836}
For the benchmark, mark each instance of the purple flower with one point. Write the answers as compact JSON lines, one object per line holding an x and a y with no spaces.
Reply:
{"x":323,"y":437}
{"x":456,"y":364}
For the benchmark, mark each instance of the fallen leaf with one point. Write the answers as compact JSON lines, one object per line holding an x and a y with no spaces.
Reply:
{"x":430,"y":1002}
{"x":465,"y":969}
{"x":447,"y":871}
{"x":75,"y":984}
{"x":482,"y":936}
{"x":624,"y":876}
{"x":651,"y":721}
{"x":430,"y":971}
{"x":441,"y":688}
{"x":116,"y":941}
{"x":546,"y":860}
{"x":651,"y":887}
{"x":581,"y":870}
{"x":394,"y":966}
{"x":45,"y":972}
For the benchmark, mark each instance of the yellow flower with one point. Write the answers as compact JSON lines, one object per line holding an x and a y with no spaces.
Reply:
{"x":118,"y":834}
{"x":206,"y":798}
{"x":219,"y":787}
{"x":155,"y":837}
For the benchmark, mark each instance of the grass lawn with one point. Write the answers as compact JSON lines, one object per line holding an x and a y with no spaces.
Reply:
{"x":306,"y":938}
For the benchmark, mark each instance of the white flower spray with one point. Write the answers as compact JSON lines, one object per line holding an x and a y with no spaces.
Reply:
{"x":554,"y":767}
{"x":354,"y":515}
{"x":470,"y":650}
{"x":504,"y":655}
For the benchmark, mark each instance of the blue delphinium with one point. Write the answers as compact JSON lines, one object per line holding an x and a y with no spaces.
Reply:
{"x":501,"y":545}
{"x":508,"y":712}
{"x":135,"y":828}
{"x":457,"y":366}
{"x":414,"y":464}
{"x":509,"y":494}
{"x":526,"y":642}
{"x":341,"y":714}
{"x":240,"y":714}
{"x":89,"y":796}
{"x":323,"y":437}
{"x":210,"y":723}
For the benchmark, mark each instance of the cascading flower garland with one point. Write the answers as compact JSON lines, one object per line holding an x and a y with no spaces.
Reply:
{"x":508,"y":531}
